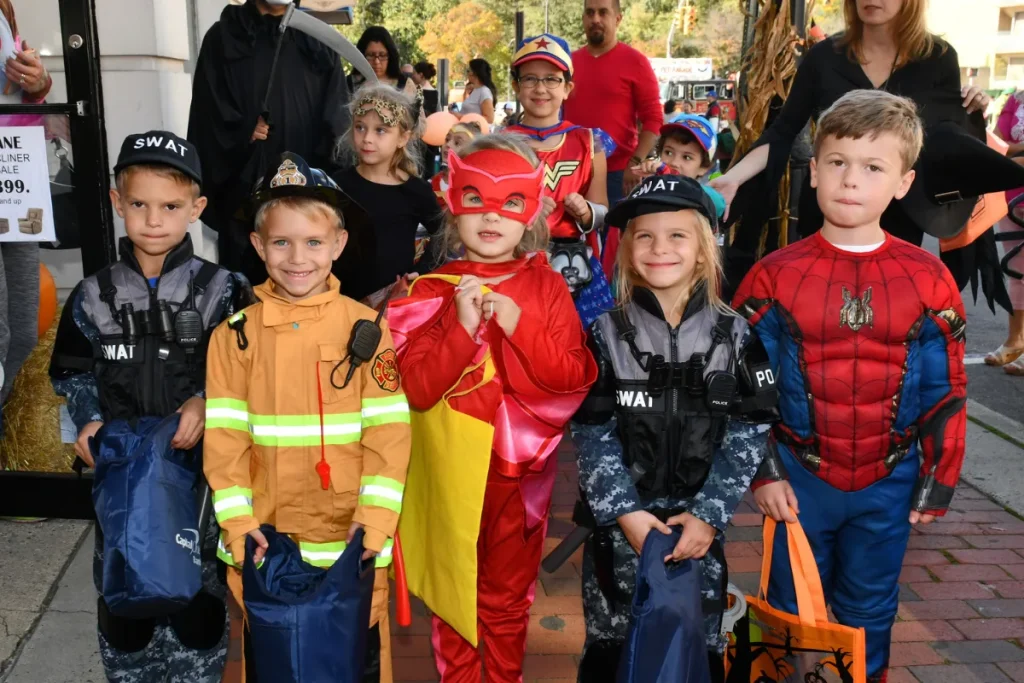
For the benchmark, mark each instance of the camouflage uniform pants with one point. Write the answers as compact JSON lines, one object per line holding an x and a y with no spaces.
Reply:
{"x":165,"y":659}
{"x":608,"y":620}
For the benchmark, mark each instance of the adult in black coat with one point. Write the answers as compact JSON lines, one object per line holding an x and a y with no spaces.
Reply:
{"x":886,"y":45}
{"x":307,"y":107}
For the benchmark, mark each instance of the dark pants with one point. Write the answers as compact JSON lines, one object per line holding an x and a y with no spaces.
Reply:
{"x":859,"y":540}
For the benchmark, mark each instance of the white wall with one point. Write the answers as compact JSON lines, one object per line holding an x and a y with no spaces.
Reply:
{"x":146,"y":49}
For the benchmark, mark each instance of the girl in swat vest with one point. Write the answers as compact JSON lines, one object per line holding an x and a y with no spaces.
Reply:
{"x":677,"y":424}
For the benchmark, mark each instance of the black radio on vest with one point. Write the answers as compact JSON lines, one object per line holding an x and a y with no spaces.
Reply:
{"x":361,"y":345}
{"x":188,"y":323}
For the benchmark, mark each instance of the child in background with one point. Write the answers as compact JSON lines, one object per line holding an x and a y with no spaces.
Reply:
{"x":575,"y":169}
{"x":866,"y":337}
{"x":672,"y":458}
{"x":494,"y":335}
{"x":287,"y":443}
{"x":385,"y":181}
{"x":458,"y":137}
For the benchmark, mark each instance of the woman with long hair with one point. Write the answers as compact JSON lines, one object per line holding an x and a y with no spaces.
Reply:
{"x":481,"y":99}
{"x":886,"y":46}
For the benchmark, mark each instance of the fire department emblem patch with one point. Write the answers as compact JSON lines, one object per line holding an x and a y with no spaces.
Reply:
{"x":385,"y":370}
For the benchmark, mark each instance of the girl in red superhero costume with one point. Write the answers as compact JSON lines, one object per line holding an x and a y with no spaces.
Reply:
{"x":508,"y":311}
{"x":574,"y":169}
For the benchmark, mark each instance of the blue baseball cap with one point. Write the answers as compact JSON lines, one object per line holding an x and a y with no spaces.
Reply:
{"x":697,"y":126}
{"x":548,"y":47}
{"x":711,"y":93}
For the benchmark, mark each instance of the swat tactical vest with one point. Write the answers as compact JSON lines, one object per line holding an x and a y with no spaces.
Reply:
{"x":668,"y":423}
{"x":140,"y":367}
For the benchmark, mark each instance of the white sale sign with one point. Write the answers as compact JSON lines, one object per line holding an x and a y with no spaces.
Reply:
{"x":26,"y":213}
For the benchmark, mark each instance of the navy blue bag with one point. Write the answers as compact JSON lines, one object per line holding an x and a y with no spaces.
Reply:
{"x":666,"y":641}
{"x":306,"y":623}
{"x":146,"y":500}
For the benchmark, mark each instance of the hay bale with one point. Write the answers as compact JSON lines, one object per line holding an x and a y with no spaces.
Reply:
{"x":32,"y":440}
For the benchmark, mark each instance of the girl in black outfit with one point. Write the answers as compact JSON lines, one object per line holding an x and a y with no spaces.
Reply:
{"x":886,"y":45}
{"x":385,"y":181}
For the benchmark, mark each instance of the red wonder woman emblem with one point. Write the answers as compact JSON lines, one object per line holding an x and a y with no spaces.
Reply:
{"x":385,"y":370}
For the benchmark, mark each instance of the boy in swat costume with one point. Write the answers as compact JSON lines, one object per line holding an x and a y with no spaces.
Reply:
{"x":676,"y":425}
{"x":131,"y":344}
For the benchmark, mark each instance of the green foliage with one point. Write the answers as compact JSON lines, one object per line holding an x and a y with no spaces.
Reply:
{"x":645,"y":26}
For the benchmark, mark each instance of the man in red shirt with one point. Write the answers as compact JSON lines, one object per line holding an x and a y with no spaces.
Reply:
{"x":615,"y":89}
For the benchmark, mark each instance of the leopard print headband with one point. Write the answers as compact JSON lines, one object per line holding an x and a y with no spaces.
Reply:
{"x":389,"y":112}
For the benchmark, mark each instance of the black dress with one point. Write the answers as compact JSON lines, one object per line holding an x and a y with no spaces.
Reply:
{"x":396,"y":211}
{"x":308,"y":112}
{"x":826,"y":74}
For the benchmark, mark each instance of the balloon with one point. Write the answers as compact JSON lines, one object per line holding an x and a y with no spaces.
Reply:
{"x":47,"y":300}
{"x":477,"y":119}
{"x":438,"y":125}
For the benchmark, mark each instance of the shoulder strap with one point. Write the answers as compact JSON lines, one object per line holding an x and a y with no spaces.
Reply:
{"x":108,"y":292}
{"x":624,"y":328}
{"x":723,"y":328}
{"x":205,"y":275}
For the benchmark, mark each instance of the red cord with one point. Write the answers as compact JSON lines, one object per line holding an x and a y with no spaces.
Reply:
{"x":322,"y":468}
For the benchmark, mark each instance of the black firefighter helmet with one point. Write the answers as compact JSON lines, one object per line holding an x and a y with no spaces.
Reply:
{"x":290,"y":176}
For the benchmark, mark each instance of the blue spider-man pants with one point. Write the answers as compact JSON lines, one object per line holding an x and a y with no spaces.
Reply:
{"x":858,"y":540}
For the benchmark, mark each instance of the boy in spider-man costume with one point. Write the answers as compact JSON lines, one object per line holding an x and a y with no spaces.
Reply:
{"x":866,"y":334}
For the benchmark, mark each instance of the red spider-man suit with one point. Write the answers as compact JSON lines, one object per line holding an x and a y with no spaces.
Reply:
{"x":869,"y":349}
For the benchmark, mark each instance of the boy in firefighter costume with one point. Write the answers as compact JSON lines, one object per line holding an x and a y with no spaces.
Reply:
{"x":866,"y":337}
{"x":677,"y":423}
{"x":299,"y":435}
{"x":117,"y":358}
{"x":495,"y":364}
{"x":574,"y":170}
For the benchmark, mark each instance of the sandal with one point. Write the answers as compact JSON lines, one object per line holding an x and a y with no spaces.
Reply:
{"x":1016,"y":368}
{"x":1003,"y":355}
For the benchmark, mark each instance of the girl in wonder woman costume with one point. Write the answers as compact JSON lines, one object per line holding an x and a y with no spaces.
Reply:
{"x":574,"y":169}
{"x":489,"y":342}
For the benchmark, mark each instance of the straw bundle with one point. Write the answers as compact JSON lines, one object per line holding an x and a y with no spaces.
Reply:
{"x":769,"y":67}
{"x":32,"y":440}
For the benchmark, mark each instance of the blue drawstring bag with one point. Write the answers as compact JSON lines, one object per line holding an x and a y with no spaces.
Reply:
{"x":146,"y":500}
{"x":665,"y":643}
{"x":306,"y":623}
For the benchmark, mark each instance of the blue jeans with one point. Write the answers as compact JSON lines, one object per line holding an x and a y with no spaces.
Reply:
{"x":859,"y":540}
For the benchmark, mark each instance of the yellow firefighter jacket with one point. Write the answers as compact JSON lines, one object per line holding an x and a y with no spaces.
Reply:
{"x":274,"y":408}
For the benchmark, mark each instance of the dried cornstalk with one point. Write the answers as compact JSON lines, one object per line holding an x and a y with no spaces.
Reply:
{"x":769,"y":67}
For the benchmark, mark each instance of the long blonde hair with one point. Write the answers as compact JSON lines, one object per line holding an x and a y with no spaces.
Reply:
{"x":710,"y":273}
{"x":534,"y":239}
{"x":396,"y":104}
{"x":911,"y":36}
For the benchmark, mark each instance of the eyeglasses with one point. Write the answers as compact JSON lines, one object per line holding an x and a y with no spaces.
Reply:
{"x":376,"y":56}
{"x":531,"y":82}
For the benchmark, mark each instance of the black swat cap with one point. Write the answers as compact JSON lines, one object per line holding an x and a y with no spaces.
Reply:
{"x":661,"y":193}
{"x":161,"y":148}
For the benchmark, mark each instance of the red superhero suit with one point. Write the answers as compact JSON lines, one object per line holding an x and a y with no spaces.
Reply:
{"x":546,"y":355}
{"x":568,"y":168}
{"x":542,"y":373}
{"x":869,"y":352}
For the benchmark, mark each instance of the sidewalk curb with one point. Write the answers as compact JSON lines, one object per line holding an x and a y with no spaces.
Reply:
{"x":1004,"y":427}
{"x":11,"y":663}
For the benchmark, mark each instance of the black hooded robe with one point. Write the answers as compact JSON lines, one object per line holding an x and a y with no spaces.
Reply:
{"x":307,"y":105}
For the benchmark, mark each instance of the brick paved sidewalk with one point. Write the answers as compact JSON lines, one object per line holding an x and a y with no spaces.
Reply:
{"x":961,"y":616}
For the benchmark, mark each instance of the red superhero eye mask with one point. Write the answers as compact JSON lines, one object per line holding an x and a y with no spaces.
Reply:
{"x":494,"y":180}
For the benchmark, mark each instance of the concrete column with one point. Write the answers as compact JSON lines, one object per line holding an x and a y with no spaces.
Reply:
{"x":147,"y":51}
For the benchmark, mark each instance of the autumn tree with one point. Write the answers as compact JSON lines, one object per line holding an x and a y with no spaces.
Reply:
{"x":464,"y":32}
